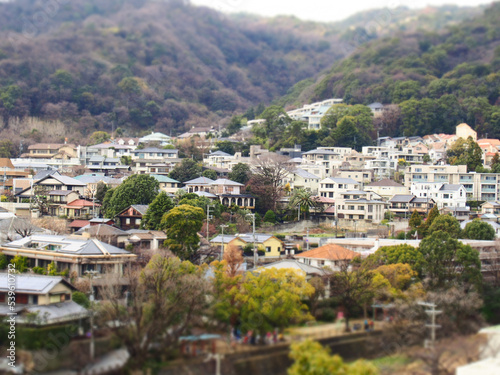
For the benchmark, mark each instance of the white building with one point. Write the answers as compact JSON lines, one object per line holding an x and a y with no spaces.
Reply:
{"x":333,"y":187}
{"x":445,"y":195}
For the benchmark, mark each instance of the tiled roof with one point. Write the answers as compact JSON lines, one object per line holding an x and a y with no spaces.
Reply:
{"x":329,"y":252}
{"x":79,"y":223}
{"x":199,"y":181}
{"x":31,"y":284}
{"x":401,"y":198}
{"x":385,"y":182}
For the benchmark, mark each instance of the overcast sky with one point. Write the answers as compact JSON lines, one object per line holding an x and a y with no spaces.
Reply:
{"x":321,"y":10}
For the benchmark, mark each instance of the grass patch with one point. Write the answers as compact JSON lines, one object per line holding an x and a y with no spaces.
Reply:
{"x":392,"y":362}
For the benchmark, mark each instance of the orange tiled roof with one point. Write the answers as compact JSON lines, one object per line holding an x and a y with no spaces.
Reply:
{"x":330,"y":252}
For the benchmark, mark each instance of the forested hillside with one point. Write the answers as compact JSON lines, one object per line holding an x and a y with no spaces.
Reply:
{"x":437,"y":79}
{"x":147,"y":64}
{"x":142,"y":65}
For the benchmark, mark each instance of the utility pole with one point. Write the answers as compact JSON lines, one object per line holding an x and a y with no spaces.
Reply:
{"x":432,"y":313}
{"x":208,"y":217}
{"x":222,"y":245}
{"x":255,"y":258}
{"x":307,"y":239}
{"x":91,"y":274}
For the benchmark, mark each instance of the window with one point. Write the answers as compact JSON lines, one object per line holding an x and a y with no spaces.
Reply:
{"x":268,"y":249}
{"x":370,"y":208}
{"x":127,"y":220}
{"x":351,"y":216}
{"x":350,"y":207}
{"x":446,"y":196}
{"x":361,"y":217}
{"x":362,"y":208}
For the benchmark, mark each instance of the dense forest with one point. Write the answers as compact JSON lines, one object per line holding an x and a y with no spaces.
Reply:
{"x":435,"y":80}
{"x":142,"y":65}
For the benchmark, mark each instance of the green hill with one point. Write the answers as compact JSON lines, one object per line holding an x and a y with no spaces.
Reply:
{"x":140,"y":65}
{"x":437,"y":79}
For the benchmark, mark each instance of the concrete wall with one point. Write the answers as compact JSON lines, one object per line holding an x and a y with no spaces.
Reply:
{"x":274,"y":360}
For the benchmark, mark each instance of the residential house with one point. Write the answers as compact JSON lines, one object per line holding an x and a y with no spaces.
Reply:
{"x":106,"y":165}
{"x":330,"y":255}
{"x":53,"y":181}
{"x":360,"y":205}
{"x":131,"y":217}
{"x":146,"y":239}
{"x":329,"y":159}
{"x":8,"y":173}
{"x":51,"y":150}
{"x":167,"y":184}
{"x":230,"y":194}
{"x":69,"y":253}
{"x":81,"y":208}
{"x":301,"y":179}
{"x":465,"y":131}
{"x":377,"y":109}
{"x":492,"y":208}
{"x":445,"y":195}
{"x":333,"y":187}
{"x":387,"y":188}
{"x":104,"y":233}
{"x":150,"y":160}
{"x":218,"y":159}
{"x":41,"y":300}
{"x":159,"y":138}
{"x":364,"y":176}
{"x":198,"y":184}
{"x":272,"y":246}
{"x":405,"y":204}
{"x":302,"y":268}
{"x":313,"y":113}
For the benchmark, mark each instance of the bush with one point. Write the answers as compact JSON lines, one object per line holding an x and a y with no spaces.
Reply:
{"x":270,"y":217}
{"x":20,"y":263}
{"x":261,"y":253}
{"x":3,"y":262}
{"x":36,"y":338}
{"x":39,"y":270}
{"x":81,"y":299}
{"x":326,"y":314}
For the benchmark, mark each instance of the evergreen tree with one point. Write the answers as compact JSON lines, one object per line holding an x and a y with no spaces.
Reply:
{"x":156,"y":210}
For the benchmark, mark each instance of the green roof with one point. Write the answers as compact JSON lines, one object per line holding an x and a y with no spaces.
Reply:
{"x":162,"y":178}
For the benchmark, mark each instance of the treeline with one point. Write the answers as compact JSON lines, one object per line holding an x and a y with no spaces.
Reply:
{"x":437,"y":79}
{"x":141,"y":64}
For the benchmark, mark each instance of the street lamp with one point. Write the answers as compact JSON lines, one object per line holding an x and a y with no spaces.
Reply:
{"x":91,"y":274}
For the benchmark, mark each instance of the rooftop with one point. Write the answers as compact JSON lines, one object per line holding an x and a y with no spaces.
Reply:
{"x":329,"y":252}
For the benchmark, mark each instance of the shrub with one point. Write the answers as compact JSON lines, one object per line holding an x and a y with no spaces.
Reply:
{"x":39,"y":270}
{"x":81,"y":299}
{"x":270,"y":217}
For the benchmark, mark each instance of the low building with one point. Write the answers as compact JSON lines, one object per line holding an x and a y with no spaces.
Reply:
{"x":387,"y":188}
{"x":445,"y":195}
{"x":69,"y":253}
{"x":41,"y":300}
{"x":329,"y":255}
{"x":333,"y":187}
{"x":167,"y":184}
{"x":131,"y":217}
{"x":230,"y":194}
{"x":405,"y":204}
{"x":272,"y":246}
{"x":292,"y":264}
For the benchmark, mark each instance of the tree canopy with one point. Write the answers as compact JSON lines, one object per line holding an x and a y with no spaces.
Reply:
{"x":136,"y":189}
{"x":186,"y":170}
{"x":182,"y":225}
{"x":159,"y":207}
{"x":479,"y":230}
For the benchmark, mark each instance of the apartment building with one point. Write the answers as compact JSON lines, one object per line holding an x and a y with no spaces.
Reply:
{"x":333,"y":187}
{"x":360,"y":205}
{"x":445,"y":195}
{"x":478,"y":186}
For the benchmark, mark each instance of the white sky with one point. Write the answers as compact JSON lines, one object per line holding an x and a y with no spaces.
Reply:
{"x":321,"y":10}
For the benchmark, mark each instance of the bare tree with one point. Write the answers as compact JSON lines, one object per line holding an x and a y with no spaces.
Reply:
{"x":24,"y":227}
{"x":161,"y":303}
{"x":352,"y":285}
{"x":52,"y":224}
{"x":268,"y":174}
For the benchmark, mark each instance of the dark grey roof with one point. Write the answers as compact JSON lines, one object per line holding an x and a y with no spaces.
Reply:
{"x":401,"y":198}
{"x":320,"y":152}
{"x":421,"y":200}
{"x":44,"y":173}
{"x":450,"y":187}
{"x":32,"y":284}
{"x":305,"y":174}
{"x":219,"y":153}
{"x":385,"y":182}
{"x":199,"y":181}
{"x":66,"y":245}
